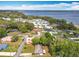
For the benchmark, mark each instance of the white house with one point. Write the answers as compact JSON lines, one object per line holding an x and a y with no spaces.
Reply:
{"x":28,"y":39}
{"x":4,"y":18}
{"x":39,"y":23}
{"x":16,"y":19}
{"x":51,"y":31}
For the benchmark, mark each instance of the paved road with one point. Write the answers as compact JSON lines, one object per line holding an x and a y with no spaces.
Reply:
{"x":20,"y":48}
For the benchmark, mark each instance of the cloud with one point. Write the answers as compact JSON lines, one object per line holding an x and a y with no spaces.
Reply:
{"x":59,"y":6}
{"x":75,"y":2}
{"x":73,"y":7}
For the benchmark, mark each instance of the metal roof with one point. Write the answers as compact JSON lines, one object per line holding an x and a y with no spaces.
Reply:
{"x":3,"y":46}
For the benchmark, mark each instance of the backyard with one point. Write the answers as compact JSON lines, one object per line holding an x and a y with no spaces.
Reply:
{"x":12,"y":46}
{"x":28,"y":48}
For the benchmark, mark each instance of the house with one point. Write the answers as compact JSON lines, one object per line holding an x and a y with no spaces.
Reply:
{"x":16,"y":19}
{"x":14,"y":30}
{"x":6,"y":39}
{"x":48,"y":26}
{"x":28,"y":39}
{"x":38,"y":49}
{"x":77,"y":35}
{"x":39,"y":23}
{"x":69,"y":31}
{"x":51,"y":31}
{"x":6,"y":18}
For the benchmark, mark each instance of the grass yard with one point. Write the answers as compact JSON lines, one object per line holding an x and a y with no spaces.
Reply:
{"x":28,"y":48}
{"x":12,"y":46}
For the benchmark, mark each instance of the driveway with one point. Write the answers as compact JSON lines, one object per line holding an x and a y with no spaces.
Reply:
{"x":20,"y":48}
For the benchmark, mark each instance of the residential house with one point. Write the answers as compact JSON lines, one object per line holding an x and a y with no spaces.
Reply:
{"x":28,"y":39}
{"x":69,"y":31}
{"x":6,"y":39}
{"x":6,"y":18}
{"x":77,"y":35}
{"x":39,"y":23}
{"x":51,"y":31}
{"x":38,"y":49}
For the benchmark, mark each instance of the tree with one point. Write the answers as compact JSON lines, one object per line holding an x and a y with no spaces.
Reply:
{"x":15,"y":38}
{"x":47,"y":34}
{"x":29,"y":26}
{"x":36,"y":41}
{"x":62,"y":24}
{"x":43,"y":41}
{"x":2,"y":32}
{"x":64,"y":48}
{"x":25,"y":27}
{"x":22,"y":28}
{"x":49,"y":37}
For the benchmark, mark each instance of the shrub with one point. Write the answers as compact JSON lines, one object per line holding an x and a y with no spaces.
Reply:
{"x":15,"y":38}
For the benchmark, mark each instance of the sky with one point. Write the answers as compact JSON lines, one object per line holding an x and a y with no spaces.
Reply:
{"x":39,"y":5}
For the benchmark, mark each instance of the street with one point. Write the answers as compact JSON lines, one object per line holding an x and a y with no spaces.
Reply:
{"x":20,"y":48}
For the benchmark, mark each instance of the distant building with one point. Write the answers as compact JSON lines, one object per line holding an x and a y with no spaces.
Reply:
{"x":4,"y":18}
{"x":39,"y":23}
{"x":77,"y":35}
{"x":69,"y":31}
{"x":51,"y":31}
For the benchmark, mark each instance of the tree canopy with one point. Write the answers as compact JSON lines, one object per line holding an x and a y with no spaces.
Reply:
{"x":64,"y":48}
{"x":2,"y":32}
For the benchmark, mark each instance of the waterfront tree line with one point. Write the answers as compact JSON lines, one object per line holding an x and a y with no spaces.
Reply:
{"x":62,"y":24}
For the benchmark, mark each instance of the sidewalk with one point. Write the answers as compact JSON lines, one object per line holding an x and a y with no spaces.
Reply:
{"x":13,"y":53}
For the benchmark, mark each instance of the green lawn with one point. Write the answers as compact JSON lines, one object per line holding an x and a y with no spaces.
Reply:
{"x":28,"y":48}
{"x":12,"y":46}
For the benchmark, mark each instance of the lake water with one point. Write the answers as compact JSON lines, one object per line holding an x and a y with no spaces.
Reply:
{"x":71,"y":16}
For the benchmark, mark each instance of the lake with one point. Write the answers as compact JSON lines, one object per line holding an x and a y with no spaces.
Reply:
{"x":71,"y":16}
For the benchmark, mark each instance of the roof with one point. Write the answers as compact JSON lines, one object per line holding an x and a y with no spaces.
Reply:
{"x":14,"y":30}
{"x":3,"y":46}
{"x":77,"y":35}
{"x":7,"y":38}
{"x":48,"y":30}
{"x":38,"y":49}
